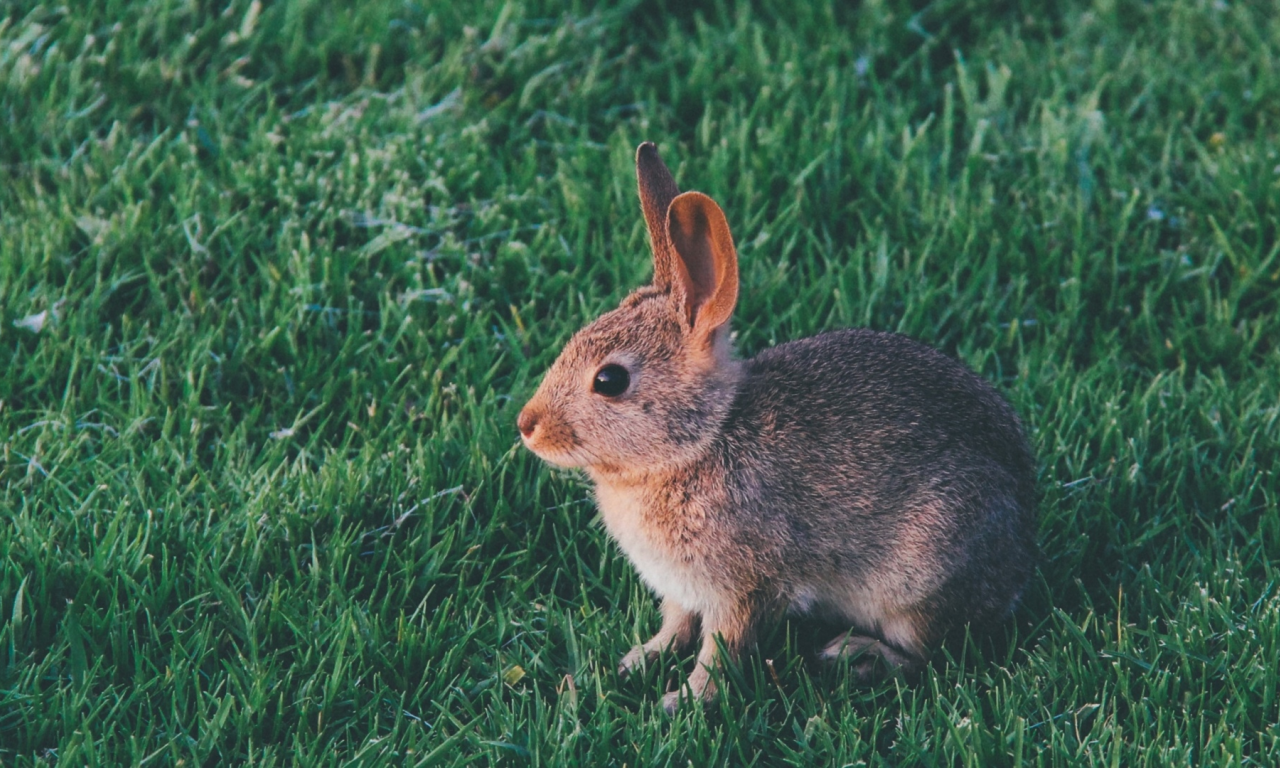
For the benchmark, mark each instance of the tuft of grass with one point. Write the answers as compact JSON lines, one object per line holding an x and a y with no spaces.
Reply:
{"x":275,"y":278}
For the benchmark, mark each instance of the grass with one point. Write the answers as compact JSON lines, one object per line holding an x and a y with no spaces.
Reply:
{"x":275,"y":279}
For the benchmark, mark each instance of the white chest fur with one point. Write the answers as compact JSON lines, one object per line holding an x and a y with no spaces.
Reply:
{"x":669,"y":572}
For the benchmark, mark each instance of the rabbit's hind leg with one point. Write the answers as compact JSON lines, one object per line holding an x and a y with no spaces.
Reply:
{"x":872,"y":659}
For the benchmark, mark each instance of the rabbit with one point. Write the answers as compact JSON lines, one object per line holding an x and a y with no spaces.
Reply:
{"x":857,"y":476}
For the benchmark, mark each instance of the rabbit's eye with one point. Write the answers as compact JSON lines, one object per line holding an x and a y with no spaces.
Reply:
{"x":611,"y":381}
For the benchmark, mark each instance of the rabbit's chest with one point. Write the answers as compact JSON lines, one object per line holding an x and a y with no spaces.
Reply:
{"x":664,"y":550}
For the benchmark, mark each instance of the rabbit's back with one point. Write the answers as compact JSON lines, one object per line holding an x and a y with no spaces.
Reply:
{"x":890,"y":403}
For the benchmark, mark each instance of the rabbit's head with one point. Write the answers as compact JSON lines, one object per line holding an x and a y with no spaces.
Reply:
{"x":648,"y":384}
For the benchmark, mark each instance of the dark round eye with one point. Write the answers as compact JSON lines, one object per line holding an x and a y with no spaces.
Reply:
{"x":611,"y":381}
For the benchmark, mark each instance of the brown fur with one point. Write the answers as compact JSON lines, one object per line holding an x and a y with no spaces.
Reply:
{"x":857,"y":476}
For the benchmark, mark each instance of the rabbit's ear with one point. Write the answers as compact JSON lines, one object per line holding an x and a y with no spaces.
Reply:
{"x":657,"y":190}
{"x":707,"y":263}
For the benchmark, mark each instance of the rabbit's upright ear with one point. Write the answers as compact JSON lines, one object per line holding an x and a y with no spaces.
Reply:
{"x":657,"y":190}
{"x":707,"y":261}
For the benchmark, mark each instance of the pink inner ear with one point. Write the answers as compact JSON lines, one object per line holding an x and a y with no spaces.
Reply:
{"x":702,"y":242}
{"x":695,"y":250}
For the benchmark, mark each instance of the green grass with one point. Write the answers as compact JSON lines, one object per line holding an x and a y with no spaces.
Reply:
{"x":261,"y":498}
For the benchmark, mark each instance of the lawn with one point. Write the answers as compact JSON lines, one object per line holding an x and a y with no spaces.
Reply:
{"x":276,"y":278}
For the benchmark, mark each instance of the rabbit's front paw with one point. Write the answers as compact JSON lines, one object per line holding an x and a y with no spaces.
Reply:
{"x":671,"y":702}
{"x":699,"y":687}
{"x":635,"y":659}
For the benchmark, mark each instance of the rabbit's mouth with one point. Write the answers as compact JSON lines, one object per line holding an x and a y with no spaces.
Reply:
{"x":555,"y":455}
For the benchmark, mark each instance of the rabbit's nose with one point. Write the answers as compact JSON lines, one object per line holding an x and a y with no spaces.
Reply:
{"x":527,"y":422}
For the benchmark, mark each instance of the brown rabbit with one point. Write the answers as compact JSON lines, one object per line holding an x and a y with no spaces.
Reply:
{"x":856,"y":476}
